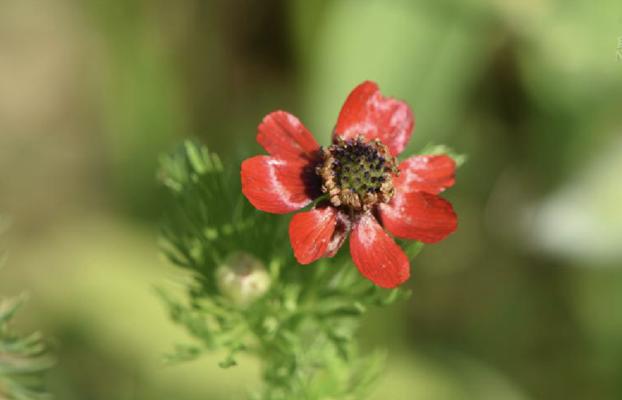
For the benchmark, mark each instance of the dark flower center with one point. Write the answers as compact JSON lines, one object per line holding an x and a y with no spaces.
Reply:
{"x":356,"y":174}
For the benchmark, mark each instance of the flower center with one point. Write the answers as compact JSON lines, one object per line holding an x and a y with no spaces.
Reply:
{"x":356,"y":174}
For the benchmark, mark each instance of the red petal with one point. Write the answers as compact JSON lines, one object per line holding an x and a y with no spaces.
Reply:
{"x":310,"y":233}
{"x":285,"y":137}
{"x":277,"y":186}
{"x":376,"y":255}
{"x":342,"y":228}
{"x":431,"y":174}
{"x":419,"y":216}
{"x":366,"y":112}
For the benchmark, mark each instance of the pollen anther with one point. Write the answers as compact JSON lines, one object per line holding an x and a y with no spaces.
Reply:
{"x":357,"y":174}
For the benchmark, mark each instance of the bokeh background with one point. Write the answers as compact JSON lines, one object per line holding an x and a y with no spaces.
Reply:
{"x":523,"y":302}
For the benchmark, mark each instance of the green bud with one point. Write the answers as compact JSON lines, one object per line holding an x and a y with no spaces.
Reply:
{"x":242,"y":279}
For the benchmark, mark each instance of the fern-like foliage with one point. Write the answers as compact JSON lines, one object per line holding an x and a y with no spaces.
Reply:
{"x":23,"y":359}
{"x":302,"y":328}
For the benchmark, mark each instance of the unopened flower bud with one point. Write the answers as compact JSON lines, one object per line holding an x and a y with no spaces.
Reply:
{"x":242,"y":279}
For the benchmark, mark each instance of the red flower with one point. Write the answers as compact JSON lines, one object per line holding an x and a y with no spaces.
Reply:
{"x":359,"y":186}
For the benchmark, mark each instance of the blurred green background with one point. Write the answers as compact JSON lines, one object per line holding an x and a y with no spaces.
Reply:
{"x":523,"y":302}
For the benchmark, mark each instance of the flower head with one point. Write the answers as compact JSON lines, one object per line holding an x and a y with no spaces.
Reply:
{"x":359,"y":187}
